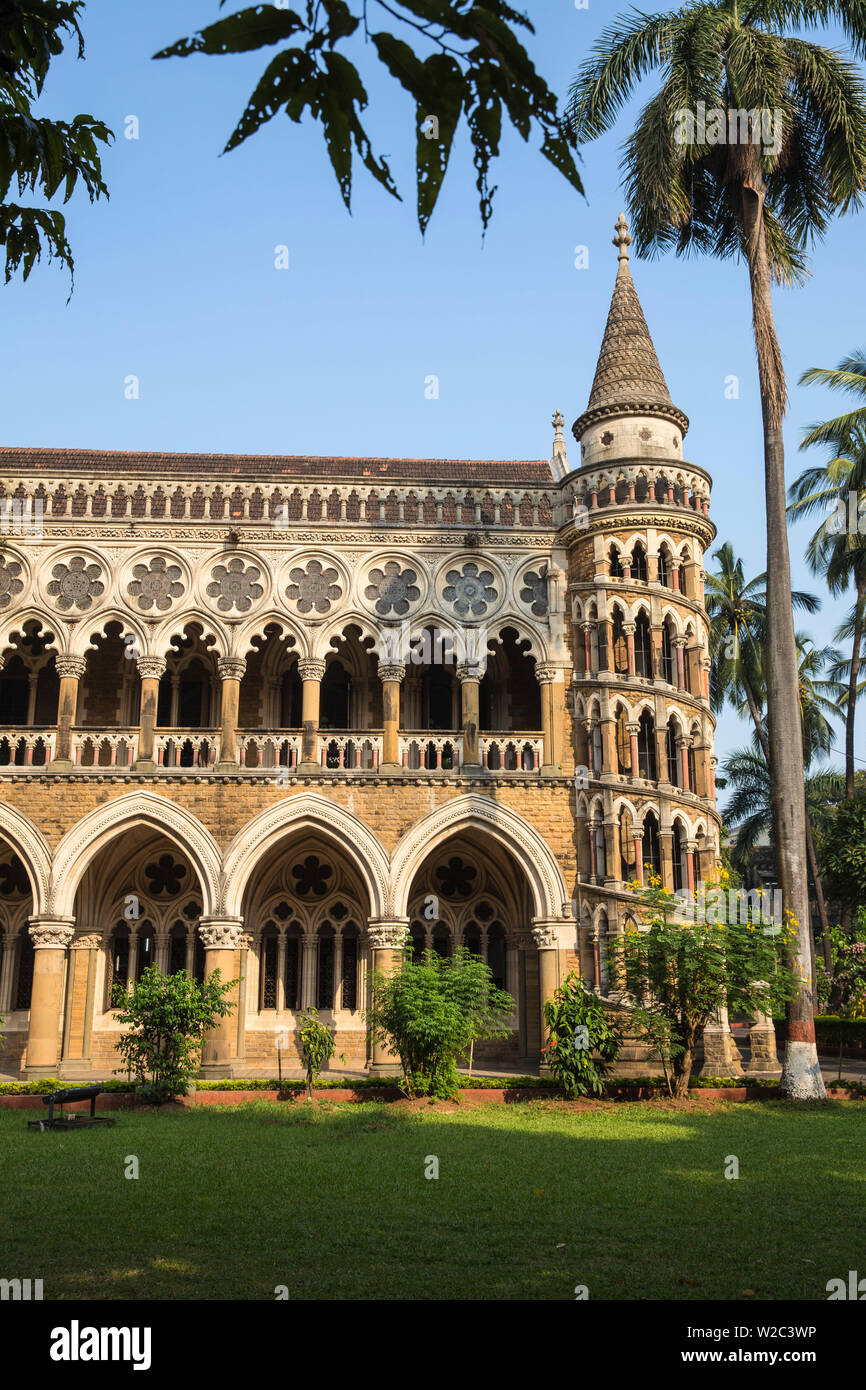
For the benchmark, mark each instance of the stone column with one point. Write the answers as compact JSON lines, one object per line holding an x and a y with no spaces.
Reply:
{"x":469,"y":677}
{"x":679,"y":644}
{"x":721,"y":1055}
{"x":608,"y":748}
{"x":629,"y":629}
{"x":546,"y":938}
{"x":661,"y":737}
{"x":684,"y":744}
{"x":309,"y":973}
{"x":51,"y":937}
{"x":32,"y":689}
{"x":78,"y":1013}
{"x":70,"y":669}
{"x":633,"y":730}
{"x":387,"y":938}
{"x":586,"y":629}
{"x":161,"y":950}
{"x":231,"y":670}
{"x":311,"y":670}
{"x":666,"y":846}
{"x":150,"y":670}
{"x":221,"y":937}
{"x":281,"y":971}
{"x":391,"y":674}
{"x":554,"y":715}
{"x":614,"y":855}
{"x":638,"y":856}
{"x":763,"y":1059}
{"x":656,"y":652}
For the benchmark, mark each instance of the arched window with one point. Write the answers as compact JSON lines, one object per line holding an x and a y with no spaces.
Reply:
{"x":651,"y":847}
{"x":496,"y":953}
{"x":325,"y":990}
{"x":615,"y":563}
{"x":472,"y":938}
{"x":643,"y":657}
{"x":600,"y":853}
{"x":349,"y":982}
{"x":441,"y":940}
{"x":664,"y":569}
{"x":177,"y":947}
{"x":146,"y":953}
{"x":418,"y":934}
{"x":335,"y":697}
{"x":693,"y":771}
{"x":638,"y":564}
{"x":669,"y":665}
{"x":626,"y":845}
{"x":596,"y":749}
{"x":646,"y":747}
{"x":623,"y":742}
{"x":673,"y":754}
{"x":678,"y":848}
{"x":117,"y":969}
{"x":620,"y":647}
{"x":24,"y":983}
{"x":269,"y":952}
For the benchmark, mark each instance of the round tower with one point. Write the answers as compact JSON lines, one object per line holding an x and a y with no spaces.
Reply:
{"x":638,"y":531}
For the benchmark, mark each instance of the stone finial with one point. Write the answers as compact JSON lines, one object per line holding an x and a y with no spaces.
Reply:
{"x":622,"y":238}
{"x":558,"y":422}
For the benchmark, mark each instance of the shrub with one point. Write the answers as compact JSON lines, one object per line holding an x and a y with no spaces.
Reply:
{"x":431,"y":1012}
{"x":317,"y":1045}
{"x":168,"y":1016}
{"x":578,"y":1029}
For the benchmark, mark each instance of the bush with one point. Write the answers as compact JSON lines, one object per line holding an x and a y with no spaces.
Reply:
{"x":317,"y":1045}
{"x":168,"y":1016}
{"x":432,"y":1012}
{"x":578,"y":1028}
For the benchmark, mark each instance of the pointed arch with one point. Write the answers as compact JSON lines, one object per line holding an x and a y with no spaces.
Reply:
{"x":32,"y":849}
{"x":529,"y":849}
{"x":341,"y":827}
{"x":80,"y":845}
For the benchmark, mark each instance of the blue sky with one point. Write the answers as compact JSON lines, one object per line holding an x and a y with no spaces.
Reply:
{"x":175,"y":283}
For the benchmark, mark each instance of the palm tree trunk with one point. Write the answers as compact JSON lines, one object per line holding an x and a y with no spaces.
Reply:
{"x":851,"y":707}
{"x":819,"y":894}
{"x":756,"y":720}
{"x":801,"y":1073}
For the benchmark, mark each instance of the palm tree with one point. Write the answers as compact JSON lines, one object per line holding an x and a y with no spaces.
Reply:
{"x":763,"y":204}
{"x":834,"y":550}
{"x":737,"y":610}
{"x":850,"y":375}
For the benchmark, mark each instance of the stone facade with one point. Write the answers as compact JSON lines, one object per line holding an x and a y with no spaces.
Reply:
{"x":290,"y":717}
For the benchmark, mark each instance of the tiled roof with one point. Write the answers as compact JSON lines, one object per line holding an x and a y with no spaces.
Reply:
{"x":269,"y":467}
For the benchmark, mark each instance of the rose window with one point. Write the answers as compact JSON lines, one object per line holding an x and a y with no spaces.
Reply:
{"x":235,"y":585}
{"x":392,"y":587}
{"x":76,"y":585}
{"x":155,"y":585}
{"x":469,"y":590}
{"x":315,"y":588}
{"x":10,"y":582}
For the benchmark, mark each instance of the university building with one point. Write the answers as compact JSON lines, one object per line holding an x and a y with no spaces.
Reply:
{"x":289,"y":717}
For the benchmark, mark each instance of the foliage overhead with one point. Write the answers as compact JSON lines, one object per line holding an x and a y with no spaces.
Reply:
{"x":477,"y":67}
{"x":40,"y":157}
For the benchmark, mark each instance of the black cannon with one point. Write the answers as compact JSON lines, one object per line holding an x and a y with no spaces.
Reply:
{"x":69,"y":1096}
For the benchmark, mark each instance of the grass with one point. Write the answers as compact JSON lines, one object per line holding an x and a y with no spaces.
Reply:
{"x":532,"y":1199}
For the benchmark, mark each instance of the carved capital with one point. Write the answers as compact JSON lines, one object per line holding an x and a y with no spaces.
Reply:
{"x":73,"y":666}
{"x":391,"y":671}
{"x":310,"y":668}
{"x":678,"y":641}
{"x":52,"y":934}
{"x":151,"y":667}
{"x":683,"y":741}
{"x":546,"y":936}
{"x":633,"y":730}
{"x":545,"y":674}
{"x":471,"y":671}
{"x":91,"y":941}
{"x":231,"y":668}
{"x":387,"y":934}
{"x":220,"y":933}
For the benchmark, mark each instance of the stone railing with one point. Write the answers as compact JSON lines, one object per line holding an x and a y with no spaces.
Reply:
{"x":187,"y":750}
{"x":26,"y":747}
{"x":96,"y":748}
{"x":264,"y":750}
{"x":512,"y":752}
{"x":351,"y":752}
{"x":431,"y":752}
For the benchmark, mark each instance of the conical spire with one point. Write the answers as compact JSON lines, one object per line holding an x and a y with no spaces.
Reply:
{"x":628,"y":377}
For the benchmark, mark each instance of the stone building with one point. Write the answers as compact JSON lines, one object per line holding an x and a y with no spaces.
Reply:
{"x":291,"y":716}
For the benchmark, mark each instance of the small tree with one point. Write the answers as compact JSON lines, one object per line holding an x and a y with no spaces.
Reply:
{"x":679,"y":967}
{"x":432,"y":1012}
{"x":317,"y":1045}
{"x":168,"y":1016}
{"x":582,"y":1042}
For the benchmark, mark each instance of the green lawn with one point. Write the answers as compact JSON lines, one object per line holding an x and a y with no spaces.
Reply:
{"x":531,"y":1200}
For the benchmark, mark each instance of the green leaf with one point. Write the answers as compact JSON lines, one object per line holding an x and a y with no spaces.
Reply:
{"x":241,"y":32}
{"x":289,"y":81}
{"x":557,"y":149}
{"x":341,"y":97}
